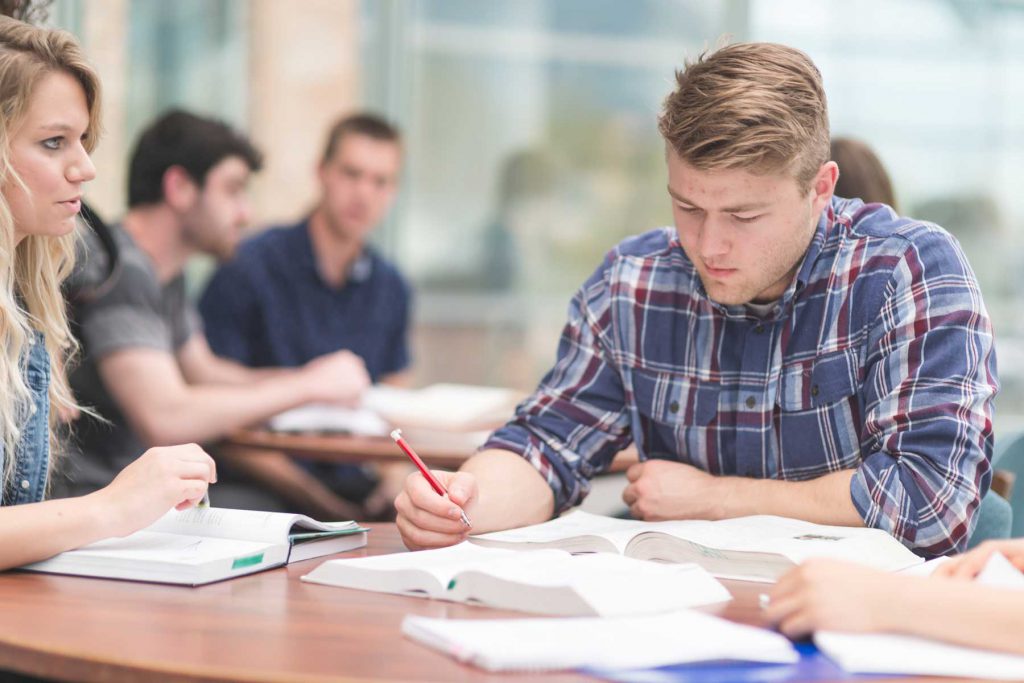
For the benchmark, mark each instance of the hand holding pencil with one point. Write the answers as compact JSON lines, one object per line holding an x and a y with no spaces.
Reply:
{"x":432,"y":507}
{"x":427,"y":474}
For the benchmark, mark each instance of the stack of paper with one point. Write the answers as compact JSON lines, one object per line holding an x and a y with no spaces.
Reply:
{"x":894,"y":654}
{"x":612,"y":643}
{"x":328,"y":418}
{"x":439,"y":407}
{"x":449,"y":407}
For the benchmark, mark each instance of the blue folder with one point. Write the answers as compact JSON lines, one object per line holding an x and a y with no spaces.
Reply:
{"x":812,"y":666}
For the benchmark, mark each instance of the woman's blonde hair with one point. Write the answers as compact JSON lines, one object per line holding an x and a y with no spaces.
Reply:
{"x":33,"y":269}
{"x":758,"y":107}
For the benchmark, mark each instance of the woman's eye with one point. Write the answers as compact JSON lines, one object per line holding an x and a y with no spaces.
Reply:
{"x":52,"y":143}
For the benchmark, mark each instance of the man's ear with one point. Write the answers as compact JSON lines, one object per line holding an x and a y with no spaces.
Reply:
{"x":824,"y":184}
{"x":180,"y":190}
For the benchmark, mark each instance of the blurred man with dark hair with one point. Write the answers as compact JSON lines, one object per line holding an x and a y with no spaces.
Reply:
{"x":146,"y":366}
{"x":298,"y":291}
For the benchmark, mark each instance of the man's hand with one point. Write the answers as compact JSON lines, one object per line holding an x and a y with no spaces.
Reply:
{"x":338,"y":377}
{"x":427,"y":520}
{"x":660,"y":489}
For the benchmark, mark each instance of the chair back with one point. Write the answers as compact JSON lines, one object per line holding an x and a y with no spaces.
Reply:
{"x":1009,"y":455}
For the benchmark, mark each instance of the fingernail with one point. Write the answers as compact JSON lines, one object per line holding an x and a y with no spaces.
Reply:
{"x":454,"y":513}
{"x":457,"y":492}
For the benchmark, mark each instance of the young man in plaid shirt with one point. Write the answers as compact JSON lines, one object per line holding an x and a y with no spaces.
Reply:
{"x":779,"y":351}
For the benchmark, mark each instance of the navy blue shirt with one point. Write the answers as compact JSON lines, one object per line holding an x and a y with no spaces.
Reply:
{"x":270,"y":307}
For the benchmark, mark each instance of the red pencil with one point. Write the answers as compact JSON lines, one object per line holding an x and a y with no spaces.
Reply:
{"x":431,"y":479}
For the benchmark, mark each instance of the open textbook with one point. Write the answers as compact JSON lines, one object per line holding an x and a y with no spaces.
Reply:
{"x":759,"y":548}
{"x":895,"y":654}
{"x":438,"y":407}
{"x":201,"y":545}
{"x":546,"y":582}
{"x":596,"y":643}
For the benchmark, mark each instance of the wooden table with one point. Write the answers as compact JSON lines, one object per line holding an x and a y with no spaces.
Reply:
{"x":266,"y":627}
{"x":438,"y":449}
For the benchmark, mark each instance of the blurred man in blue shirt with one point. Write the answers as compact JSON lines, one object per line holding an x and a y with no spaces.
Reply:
{"x":295,"y":292}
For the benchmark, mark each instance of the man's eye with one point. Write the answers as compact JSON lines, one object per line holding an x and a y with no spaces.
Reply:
{"x":687,"y":209}
{"x":746,"y":219}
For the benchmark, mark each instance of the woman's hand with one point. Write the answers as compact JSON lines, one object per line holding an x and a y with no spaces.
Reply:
{"x":160,"y":479}
{"x":829,"y":594}
{"x":970,"y":564}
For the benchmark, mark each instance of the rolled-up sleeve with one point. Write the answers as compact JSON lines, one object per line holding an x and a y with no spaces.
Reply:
{"x":576,"y":420}
{"x":931,"y":379}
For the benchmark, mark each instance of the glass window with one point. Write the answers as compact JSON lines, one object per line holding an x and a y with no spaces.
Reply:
{"x":533,"y":147}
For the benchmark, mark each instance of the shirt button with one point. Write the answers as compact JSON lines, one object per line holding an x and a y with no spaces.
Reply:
{"x":814,"y":390}
{"x":673,"y":407}
{"x":751,"y":402}
{"x":25,"y":484}
{"x":759,"y":329}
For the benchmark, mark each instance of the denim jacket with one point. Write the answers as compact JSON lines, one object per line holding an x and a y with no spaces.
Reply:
{"x":33,"y":450}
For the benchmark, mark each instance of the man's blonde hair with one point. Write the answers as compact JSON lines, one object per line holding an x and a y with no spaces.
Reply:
{"x":759,"y":107}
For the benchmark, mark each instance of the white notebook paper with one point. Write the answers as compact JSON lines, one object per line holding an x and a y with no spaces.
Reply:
{"x":608,"y":643}
{"x":544,"y":582}
{"x":896,"y":654}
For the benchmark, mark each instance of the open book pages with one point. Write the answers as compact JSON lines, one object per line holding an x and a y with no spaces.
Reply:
{"x":546,"y":582}
{"x":201,"y":545}
{"x":896,"y":654}
{"x":328,"y":418}
{"x":615,"y":643}
{"x":759,"y":548}
{"x":447,"y":407}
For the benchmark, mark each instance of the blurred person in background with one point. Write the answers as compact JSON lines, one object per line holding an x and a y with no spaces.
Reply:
{"x":146,"y":367}
{"x":295,"y":292}
{"x":861,"y":173}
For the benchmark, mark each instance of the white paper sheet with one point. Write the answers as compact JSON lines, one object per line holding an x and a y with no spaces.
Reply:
{"x":624,"y":642}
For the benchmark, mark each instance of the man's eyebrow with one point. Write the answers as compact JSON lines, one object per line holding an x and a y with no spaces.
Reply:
{"x":740,"y":208}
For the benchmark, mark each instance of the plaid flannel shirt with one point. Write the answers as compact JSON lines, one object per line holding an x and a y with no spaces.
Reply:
{"x":879,"y":358}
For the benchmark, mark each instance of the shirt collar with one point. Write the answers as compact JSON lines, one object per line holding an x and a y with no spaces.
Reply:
{"x":358,"y":273}
{"x":825,"y":223}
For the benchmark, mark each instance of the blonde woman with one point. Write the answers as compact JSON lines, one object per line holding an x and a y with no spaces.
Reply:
{"x":49,"y":123}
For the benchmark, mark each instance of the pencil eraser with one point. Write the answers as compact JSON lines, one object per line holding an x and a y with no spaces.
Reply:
{"x":396,"y":434}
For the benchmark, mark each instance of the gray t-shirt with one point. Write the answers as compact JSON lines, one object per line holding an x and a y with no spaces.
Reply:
{"x":135,"y":311}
